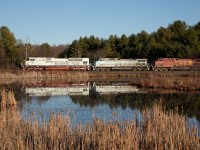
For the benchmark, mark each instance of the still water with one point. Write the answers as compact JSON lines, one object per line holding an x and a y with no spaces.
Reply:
{"x":110,"y":100}
{"x":82,"y":101}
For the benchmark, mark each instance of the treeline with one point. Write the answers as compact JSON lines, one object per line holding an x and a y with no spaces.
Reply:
{"x":177,"y":40}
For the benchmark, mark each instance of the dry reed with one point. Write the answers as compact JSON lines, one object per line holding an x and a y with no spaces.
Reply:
{"x":158,"y":129}
{"x":7,"y":99}
{"x":181,"y":80}
{"x":171,"y":83}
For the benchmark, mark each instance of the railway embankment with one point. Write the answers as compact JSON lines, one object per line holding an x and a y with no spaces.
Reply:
{"x":181,"y":80}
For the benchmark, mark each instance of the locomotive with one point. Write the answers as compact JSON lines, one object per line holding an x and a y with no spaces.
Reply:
{"x":110,"y":64}
{"x":176,"y":64}
{"x":43,"y":63}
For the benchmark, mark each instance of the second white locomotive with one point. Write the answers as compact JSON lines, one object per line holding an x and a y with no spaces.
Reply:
{"x":107,"y":64}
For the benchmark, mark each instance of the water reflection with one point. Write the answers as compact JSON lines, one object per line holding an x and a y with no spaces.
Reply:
{"x":67,"y":98}
{"x":82,"y":88}
{"x":108,"y":100}
{"x":52,"y":91}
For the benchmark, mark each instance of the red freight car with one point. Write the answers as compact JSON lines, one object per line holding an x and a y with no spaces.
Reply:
{"x":174,"y":64}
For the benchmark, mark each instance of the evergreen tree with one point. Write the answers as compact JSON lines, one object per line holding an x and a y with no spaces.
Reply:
{"x":8,"y":47}
{"x":45,"y":50}
{"x":75,"y":50}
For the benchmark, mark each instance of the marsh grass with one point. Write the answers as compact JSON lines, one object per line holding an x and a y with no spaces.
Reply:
{"x":7,"y":99}
{"x":181,"y":80}
{"x":170,"y":81}
{"x":158,"y":129}
{"x":19,"y":74}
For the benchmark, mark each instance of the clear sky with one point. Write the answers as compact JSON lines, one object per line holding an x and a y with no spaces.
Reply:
{"x":62,"y":21}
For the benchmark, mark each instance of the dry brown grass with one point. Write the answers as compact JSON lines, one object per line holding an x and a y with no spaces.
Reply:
{"x":20,"y":74}
{"x":172,"y":80}
{"x":7,"y":99}
{"x":158,"y":129}
{"x":181,"y":80}
{"x":187,"y":83}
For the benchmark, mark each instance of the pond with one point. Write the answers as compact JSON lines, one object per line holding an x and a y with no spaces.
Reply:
{"x":106,"y":100}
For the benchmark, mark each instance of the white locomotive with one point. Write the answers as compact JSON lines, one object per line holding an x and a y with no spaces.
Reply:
{"x":107,"y":64}
{"x":43,"y":63}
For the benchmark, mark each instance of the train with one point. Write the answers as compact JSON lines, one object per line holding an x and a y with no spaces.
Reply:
{"x":110,"y":64}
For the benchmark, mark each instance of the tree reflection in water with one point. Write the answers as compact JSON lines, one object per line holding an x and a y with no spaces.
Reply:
{"x":187,"y":103}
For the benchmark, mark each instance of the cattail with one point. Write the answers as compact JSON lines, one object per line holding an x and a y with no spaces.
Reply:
{"x":159,"y":129}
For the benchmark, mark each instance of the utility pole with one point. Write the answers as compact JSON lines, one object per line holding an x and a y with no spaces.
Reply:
{"x":26,"y":54}
{"x":27,"y":47}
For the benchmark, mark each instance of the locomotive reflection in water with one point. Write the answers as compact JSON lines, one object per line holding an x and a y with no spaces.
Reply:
{"x":115,"y":89}
{"x":52,"y":89}
{"x":82,"y":88}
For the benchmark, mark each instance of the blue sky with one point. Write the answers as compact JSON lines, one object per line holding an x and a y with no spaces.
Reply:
{"x":62,"y":21}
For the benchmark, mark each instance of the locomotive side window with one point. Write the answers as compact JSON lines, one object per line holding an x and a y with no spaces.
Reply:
{"x":84,"y":89}
{"x":75,"y":59}
{"x":85,"y":62}
{"x":141,"y":60}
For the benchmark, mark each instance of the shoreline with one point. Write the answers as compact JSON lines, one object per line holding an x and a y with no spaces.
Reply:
{"x":20,"y":74}
{"x":179,"y":80}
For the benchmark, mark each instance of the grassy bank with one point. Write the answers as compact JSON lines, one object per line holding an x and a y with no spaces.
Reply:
{"x":187,"y":83}
{"x":158,"y":129}
{"x":20,"y":74}
{"x":170,"y":80}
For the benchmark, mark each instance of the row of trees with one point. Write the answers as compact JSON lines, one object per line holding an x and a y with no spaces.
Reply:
{"x":177,"y":40}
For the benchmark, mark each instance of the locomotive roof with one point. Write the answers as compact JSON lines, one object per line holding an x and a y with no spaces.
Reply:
{"x":49,"y":58}
{"x":104,"y":59}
